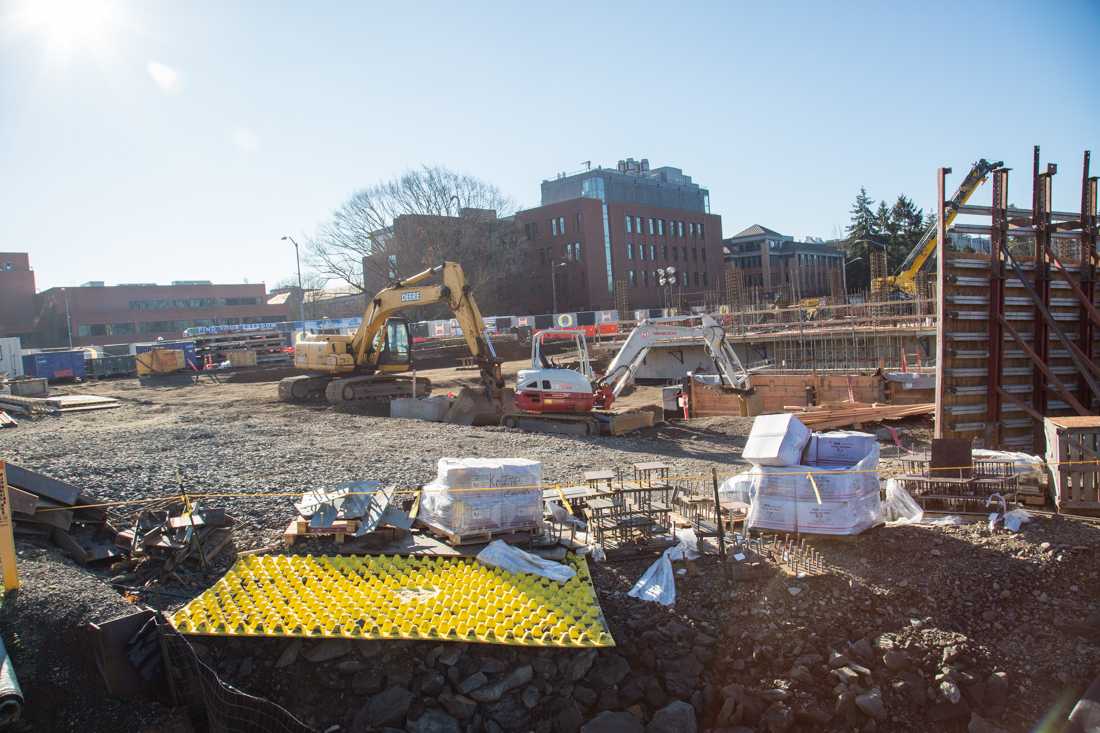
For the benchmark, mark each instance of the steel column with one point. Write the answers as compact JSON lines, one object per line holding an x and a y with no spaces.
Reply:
{"x":1086,"y":332}
{"x":1040,"y":220}
{"x":998,"y":242}
{"x":941,"y":304}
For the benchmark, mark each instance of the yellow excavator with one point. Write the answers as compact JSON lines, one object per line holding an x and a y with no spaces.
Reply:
{"x":371,"y":365}
{"x":905,"y":280}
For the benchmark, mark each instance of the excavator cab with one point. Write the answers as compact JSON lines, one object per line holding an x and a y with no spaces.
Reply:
{"x":396,"y":352}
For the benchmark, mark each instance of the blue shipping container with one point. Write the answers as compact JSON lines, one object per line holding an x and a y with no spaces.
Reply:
{"x":187,"y":347}
{"x":55,"y":365}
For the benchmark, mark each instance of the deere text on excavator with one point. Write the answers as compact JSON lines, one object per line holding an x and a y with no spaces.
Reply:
{"x":371,"y":364}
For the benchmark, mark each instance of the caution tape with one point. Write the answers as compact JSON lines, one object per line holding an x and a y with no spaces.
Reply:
{"x":556,"y":486}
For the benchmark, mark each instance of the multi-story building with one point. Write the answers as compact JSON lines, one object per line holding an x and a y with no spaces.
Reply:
{"x":779,"y":266}
{"x":16,"y":294}
{"x":601,"y":235}
{"x":97,"y":314}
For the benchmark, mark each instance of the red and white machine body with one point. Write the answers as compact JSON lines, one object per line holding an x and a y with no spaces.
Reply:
{"x":546,"y":387}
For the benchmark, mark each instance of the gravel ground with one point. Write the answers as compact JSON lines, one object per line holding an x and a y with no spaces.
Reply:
{"x":1012,"y":621}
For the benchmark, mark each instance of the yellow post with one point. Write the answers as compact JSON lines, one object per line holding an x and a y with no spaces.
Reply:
{"x":7,"y":536}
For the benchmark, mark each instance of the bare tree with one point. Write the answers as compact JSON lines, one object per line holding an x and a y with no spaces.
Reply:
{"x":399,"y":227}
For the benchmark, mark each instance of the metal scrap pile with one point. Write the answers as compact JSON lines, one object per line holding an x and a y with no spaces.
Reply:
{"x":355,"y":509}
{"x":45,"y":508}
{"x":161,"y":541}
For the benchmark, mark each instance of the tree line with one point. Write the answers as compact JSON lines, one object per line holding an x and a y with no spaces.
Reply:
{"x":897,"y":228}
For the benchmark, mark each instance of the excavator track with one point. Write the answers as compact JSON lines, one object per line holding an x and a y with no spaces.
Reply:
{"x":561,"y":423}
{"x":361,"y":391}
{"x":304,"y":388}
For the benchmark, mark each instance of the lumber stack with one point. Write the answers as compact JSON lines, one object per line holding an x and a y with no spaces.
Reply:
{"x":844,"y":414}
{"x":57,"y":405}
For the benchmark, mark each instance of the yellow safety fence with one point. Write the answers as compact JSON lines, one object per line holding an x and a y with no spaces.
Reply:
{"x":425,"y":597}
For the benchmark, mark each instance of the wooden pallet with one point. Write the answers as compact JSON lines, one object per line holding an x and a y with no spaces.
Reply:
{"x":511,"y":536}
{"x":339,"y":530}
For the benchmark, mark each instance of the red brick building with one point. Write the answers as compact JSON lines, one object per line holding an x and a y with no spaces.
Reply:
{"x":16,"y":294}
{"x":97,"y":314}
{"x":604,"y":229}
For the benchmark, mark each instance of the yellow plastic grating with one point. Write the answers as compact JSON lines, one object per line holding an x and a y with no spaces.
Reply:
{"x":397,"y":597}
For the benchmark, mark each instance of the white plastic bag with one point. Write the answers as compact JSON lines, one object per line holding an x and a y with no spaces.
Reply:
{"x":1015,"y":518}
{"x":899,"y":506}
{"x":500,"y":554}
{"x":658,"y":583}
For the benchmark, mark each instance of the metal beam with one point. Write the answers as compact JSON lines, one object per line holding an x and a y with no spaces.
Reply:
{"x":1045,"y":369}
{"x":1084,"y":367}
{"x":1086,"y":333}
{"x":1040,"y":219}
{"x":999,"y":240}
{"x":941,"y":310}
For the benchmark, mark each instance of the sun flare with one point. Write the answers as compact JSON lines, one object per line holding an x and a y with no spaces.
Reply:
{"x":70,"y":27}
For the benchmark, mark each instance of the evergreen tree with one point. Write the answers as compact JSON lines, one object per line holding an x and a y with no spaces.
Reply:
{"x":907,"y":228}
{"x":862,"y":228}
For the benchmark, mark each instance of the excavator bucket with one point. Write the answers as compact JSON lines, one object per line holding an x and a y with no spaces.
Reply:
{"x":474,"y":407}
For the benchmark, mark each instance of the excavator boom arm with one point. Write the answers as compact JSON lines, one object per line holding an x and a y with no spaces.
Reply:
{"x":650,"y":334}
{"x":411,"y":293}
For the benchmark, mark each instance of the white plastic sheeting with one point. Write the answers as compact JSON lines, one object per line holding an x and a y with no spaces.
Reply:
{"x":900,"y":507}
{"x":483,"y":494}
{"x":499,"y":554}
{"x":835,"y":501}
{"x":658,"y":582}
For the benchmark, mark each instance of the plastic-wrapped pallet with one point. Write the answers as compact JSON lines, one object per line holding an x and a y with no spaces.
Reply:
{"x":838,"y":448}
{"x":784,"y":497}
{"x":776,"y":440}
{"x":471,"y":495}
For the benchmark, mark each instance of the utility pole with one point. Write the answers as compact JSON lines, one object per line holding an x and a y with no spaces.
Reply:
{"x":301,"y":292}
{"x":68,"y":318}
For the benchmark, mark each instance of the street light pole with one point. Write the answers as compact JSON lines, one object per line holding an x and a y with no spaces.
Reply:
{"x":554,"y":283}
{"x":301,"y":292}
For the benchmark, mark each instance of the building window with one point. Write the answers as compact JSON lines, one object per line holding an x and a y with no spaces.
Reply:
{"x":696,"y":279}
{"x":629,"y":224}
{"x":577,"y":221}
{"x":553,"y":227}
{"x":633,"y":280}
{"x":638,"y":224}
{"x":702,"y":235}
{"x":664,"y":252}
{"x":660,"y":227}
{"x":651,"y":225}
{"x":705,"y":283}
{"x":704,"y":254}
{"x":561,"y":225}
{"x":531,"y":230}
{"x":680,"y":229}
{"x":629,"y":251}
{"x":645,"y":277}
{"x":568,"y":250}
{"x":652,"y":252}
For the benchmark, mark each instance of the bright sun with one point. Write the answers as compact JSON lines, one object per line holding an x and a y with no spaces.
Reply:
{"x":70,"y":27}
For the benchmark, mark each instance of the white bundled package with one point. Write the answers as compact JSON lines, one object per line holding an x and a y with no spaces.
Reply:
{"x":483,"y":495}
{"x":776,"y":440}
{"x":846,"y":500}
{"x":838,"y":448}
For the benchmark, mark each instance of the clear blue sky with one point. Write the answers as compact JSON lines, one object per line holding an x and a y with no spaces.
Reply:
{"x":151,"y":141}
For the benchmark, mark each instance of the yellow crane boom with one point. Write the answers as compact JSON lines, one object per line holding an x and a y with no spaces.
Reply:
{"x":906,"y":277}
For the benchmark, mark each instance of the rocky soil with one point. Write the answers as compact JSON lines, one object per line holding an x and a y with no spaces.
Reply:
{"x":914,"y":628}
